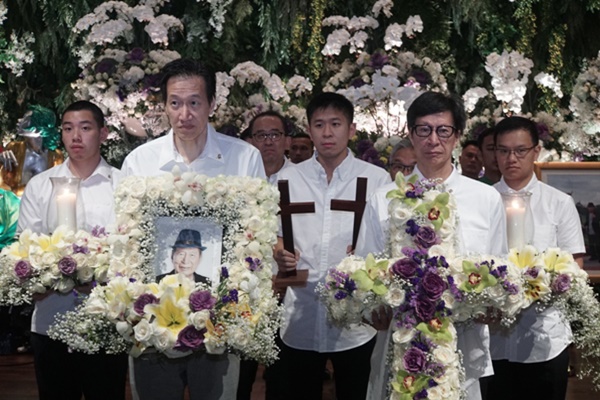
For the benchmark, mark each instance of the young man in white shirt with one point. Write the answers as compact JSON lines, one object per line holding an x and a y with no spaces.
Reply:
{"x":436,"y":122}
{"x":188,"y":90}
{"x":321,"y":240}
{"x":531,"y":359}
{"x":62,"y":374}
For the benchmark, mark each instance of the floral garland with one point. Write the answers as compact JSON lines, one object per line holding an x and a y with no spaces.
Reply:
{"x":239,"y":313}
{"x":429,"y":288}
{"x":37,"y":263}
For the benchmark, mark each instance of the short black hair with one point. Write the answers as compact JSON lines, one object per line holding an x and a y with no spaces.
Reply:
{"x":187,"y":67}
{"x":333,"y":100}
{"x":84,"y":105}
{"x":515,"y":123}
{"x":469,"y":142}
{"x":270,"y":113}
{"x":300,"y":135}
{"x":484,"y":133}
{"x":434,"y":102}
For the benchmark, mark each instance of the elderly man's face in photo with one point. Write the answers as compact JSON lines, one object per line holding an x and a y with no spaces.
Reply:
{"x":186,"y":260}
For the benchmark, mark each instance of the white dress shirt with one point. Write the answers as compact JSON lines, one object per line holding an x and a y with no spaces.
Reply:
{"x":481,"y":229}
{"x":95,"y":208}
{"x":322,"y":239}
{"x":273,"y":178}
{"x":538,"y":337}
{"x":222,"y":155}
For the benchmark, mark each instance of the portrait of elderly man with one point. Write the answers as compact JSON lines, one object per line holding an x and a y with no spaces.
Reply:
{"x":186,"y":255}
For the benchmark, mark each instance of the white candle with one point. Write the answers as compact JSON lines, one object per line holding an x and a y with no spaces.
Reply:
{"x":66,"y":204}
{"x":515,"y":224}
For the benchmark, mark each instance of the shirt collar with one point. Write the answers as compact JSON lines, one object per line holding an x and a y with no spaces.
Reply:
{"x":450,"y":181}
{"x":502,"y":187}
{"x":103,"y":170}
{"x":169,"y":156}
{"x":342,"y":171}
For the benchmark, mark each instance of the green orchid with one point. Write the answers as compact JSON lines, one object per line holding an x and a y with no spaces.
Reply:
{"x":478,"y":277}
{"x":404,"y":185}
{"x":437,"y":210}
{"x":408,"y":384}
{"x":436,"y":329}
{"x":370,"y":277}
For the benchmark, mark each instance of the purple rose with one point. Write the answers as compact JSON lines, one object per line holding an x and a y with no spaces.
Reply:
{"x":405,"y":268}
{"x":106,"y":65}
{"x":23,"y":269}
{"x":253,"y":263}
{"x":414,"y":360}
{"x":202,"y":300}
{"x":67,"y":265}
{"x":189,"y":338}
{"x":561,"y":284}
{"x":425,"y":308}
{"x":426,"y":237}
{"x":433,"y":285}
{"x":140,"y":303}
{"x":136,"y":55}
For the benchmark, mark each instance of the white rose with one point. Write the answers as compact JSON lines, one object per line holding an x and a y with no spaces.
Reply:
{"x":65,"y":285}
{"x":136,"y":187}
{"x":163,"y":339}
{"x":402,"y":335}
{"x":95,"y":305}
{"x":85,"y":274}
{"x":445,"y":355}
{"x":395,"y":296}
{"x":198,"y":319}
{"x":143,"y":331}
{"x":124,"y":329}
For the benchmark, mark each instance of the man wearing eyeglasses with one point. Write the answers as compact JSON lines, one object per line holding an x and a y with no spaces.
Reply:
{"x":269,"y":136}
{"x":436,"y":122}
{"x":402,"y":158}
{"x":531,"y":359}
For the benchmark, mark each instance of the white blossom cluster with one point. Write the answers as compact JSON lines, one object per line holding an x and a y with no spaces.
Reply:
{"x":472,"y":96}
{"x":382,"y":6}
{"x":19,"y":53}
{"x":394,"y":32}
{"x":353,"y":33}
{"x":3,"y":12}
{"x":218,"y":10}
{"x":510,"y":73}
{"x":249,"y":89}
{"x":549,"y":81}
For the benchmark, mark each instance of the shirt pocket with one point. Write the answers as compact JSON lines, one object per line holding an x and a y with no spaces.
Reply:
{"x":475,"y":240}
{"x":544,"y":236}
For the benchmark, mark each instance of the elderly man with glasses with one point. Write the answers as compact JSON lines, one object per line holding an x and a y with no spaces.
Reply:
{"x":402,"y":158}
{"x":269,"y":135}
{"x":531,"y":359}
{"x":436,"y":122}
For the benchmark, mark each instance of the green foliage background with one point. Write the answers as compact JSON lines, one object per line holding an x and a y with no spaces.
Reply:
{"x":285,"y":37}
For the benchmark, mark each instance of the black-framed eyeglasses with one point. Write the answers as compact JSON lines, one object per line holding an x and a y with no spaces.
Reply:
{"x":262,"y":136}
{"x":405,"y":169}
{"x":519,"y":152}
{"x":443,"y":131}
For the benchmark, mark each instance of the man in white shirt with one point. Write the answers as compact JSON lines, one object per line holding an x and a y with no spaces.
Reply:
{"x":470,"y":159}
{"x":436,"y":122}
{"x":271,"y":137}
{"x":188,"y":90}
{"x":321,"y":241}
{"x":485,"y":142}
{"x":302,"y":148}
{"x":62,"y":374}
{"x":531,"y":359}
{"x":402,"y":158}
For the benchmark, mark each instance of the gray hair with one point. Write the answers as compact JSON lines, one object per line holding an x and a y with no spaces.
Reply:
{"x":402,"y":144}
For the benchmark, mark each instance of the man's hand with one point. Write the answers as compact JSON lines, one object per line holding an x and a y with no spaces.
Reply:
{"x":8,"y":160}
{"x":285,"y":260}
{"x":381,"y":318}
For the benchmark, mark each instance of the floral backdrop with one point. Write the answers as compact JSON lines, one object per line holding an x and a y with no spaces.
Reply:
{"x":521,"y":57}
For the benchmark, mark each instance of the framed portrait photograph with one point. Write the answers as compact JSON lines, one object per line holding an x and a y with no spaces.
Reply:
{"x":191,"y":246}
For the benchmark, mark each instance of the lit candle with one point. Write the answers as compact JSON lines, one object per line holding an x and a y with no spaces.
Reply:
{"x":66,"y":204}
{"x":515,"y":223}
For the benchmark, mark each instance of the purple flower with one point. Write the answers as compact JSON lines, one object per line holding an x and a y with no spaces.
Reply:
{"x":561,"y":284}
{"x":421,"y":76}
{"x":339,"y":295}
{"x":189,"y":338}
{"x":363,"y":145}
{"x":106,"y":65}
{"x":231,"y":297}
{"x":140,"y":303}
{"x":98,"y":231}
{"x":414,"y":360}
{"x":378,"y":60}
{"x":405,"y":267}
{"x":152,"y":82}
{"x":425,"y":308}
{"x":532,"y":272}
{"x":253,"y":263}
{"x":358,"y":82}
{"x":412,"y":227}
{"x":202,"y":300}
{"x":433,"y":285}
{"x":136,"y":55}
{"x":426,"y":237}
{"x":67,"y":265}
{"x":544,"y":133}
{"x":80,"y":249}
{"x":224,"y":272}
{"x":23,"y":269}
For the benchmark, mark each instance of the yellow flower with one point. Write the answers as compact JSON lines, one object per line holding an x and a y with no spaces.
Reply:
{"x":524,"y":257}
{"x":168,"y":313}
{"x":554,"y":259}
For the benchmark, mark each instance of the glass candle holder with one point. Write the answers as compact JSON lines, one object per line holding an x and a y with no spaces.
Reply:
{"x":63,"y":203}
{"x":519,"y":219}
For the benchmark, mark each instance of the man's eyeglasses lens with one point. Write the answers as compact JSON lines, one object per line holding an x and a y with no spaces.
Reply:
{"x":402,"y":167}
{"x":519,"y":152}
{"x":262,"y":136}
{"x":443,"y":131}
